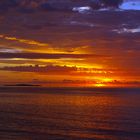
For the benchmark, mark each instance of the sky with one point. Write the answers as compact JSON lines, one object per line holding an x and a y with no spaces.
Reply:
{"x":49,"y":43}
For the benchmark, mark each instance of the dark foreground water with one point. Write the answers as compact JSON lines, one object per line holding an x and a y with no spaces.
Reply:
{"x":69,"y":114}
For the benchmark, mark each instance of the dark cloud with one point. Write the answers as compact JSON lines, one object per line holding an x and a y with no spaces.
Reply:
{"x":46,"y":56}
{"x":6,"y":4}
{"x":130,"y":83}
{"x":57,"y":70}
{"x":115,"y":3}
{"x":9,"y":3}
{"x":28,"y":6}
{"x":51,"y":69}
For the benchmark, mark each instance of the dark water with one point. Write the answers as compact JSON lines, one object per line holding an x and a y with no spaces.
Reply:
{"x":78,"y":115}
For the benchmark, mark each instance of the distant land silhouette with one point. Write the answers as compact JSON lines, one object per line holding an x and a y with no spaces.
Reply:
{"x":22,"y":85}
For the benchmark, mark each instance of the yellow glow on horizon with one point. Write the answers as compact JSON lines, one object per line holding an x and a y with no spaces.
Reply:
{"x":99,"y":85}
{"x":65,"y":62}
{"x":85,"y":66}
{"x":107,"y":79}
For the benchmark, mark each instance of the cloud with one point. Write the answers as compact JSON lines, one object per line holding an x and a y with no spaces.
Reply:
{"x":126,"y":30}
{"x":124,"y":83}
{"x":25,"y":41}
{"x":9,"y":50}
{"x":58,"y":69}
{"x":112,"y":2}
{"x":86,"y":24}
{"x":8,"y":3}
{"x":82,"y":9}
{"x":130,"y":5}
{"x":47,"y":56}
{"x":28,"y":6}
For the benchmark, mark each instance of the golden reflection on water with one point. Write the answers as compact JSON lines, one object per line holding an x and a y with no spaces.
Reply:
{"x":64,"y":99}
{"x":89,"y":115}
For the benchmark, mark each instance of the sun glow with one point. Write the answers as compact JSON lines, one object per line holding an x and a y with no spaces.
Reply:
{"x":99,"y":85}
{"x":107,"y":79}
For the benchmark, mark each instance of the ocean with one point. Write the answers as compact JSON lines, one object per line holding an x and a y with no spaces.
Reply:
{"x":35,"y":113}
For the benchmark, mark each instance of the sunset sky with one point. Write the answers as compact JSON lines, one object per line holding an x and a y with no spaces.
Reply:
{"x":69,"y":48}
